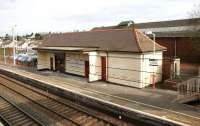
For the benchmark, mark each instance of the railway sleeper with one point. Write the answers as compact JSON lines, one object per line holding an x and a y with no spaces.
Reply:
{"x":17,"y":119}
{"x":13,"y":115}
{"x":25,"y":122}
{"x":7,"y":111}
{"x":92,"y":122}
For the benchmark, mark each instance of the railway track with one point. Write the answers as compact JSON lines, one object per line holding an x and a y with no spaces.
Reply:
{"x":13,"y":115}
{"x":49,"y":109}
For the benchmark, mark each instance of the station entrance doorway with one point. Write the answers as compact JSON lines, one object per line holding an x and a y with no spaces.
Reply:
{"x":60,"y":62}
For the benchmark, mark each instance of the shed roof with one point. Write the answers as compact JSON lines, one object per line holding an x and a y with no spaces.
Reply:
{"x":172,"y":28}
{"x":124,"y":40}
{"x":170,"y":23}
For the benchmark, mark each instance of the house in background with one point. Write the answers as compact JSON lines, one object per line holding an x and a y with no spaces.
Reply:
{"x":23,"y":48}
{"x":122,"y":56}
{"x":6,"y":51}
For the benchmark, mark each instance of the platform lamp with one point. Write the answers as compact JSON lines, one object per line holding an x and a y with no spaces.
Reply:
{"x":4,"y":53}
{"x":154,"y":39}
{"x":14,"y":44}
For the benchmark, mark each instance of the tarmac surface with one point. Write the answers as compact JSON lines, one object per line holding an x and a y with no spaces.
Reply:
{"x":157,"y":103}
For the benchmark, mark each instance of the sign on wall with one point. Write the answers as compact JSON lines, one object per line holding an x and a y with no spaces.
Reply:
{"x":153,"y":62}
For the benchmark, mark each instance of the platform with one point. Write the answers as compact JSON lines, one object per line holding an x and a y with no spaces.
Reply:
{"x":144,"y":104}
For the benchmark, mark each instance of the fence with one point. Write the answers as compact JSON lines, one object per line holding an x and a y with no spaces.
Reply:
{"x":189,"y":88}
{"x":8,"y":61}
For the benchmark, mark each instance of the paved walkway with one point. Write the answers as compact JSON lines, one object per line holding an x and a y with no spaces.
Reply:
{"x":154,"y":102}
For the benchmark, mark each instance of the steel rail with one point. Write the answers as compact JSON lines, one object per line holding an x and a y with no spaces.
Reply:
{"x":41,"y":92}
{"x":21,"y":110}
{"x":58,"y":114}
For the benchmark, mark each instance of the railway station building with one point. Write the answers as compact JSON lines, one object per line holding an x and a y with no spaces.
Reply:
{"x":122,"y":56}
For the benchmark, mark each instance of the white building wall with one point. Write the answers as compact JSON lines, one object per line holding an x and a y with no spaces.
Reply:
{"x":124,"y":68}
{"x":75,"y":63}
{"x":148,"y":71}
{"x":95,"y":65}
{"x":43,"y":59}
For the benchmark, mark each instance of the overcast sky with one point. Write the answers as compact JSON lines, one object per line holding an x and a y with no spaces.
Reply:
{"x":69,"y":15}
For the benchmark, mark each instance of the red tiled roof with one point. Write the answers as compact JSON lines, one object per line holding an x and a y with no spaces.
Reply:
{"x":127,"y":40}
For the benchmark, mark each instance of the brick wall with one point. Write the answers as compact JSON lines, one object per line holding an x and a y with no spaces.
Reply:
{"x":187,"y":49}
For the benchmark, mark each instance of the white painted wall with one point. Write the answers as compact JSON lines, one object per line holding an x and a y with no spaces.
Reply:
{"x":122,"y":68}
{"x":95,"y":65}
{"x":43,"y":59}
{"x":147,"y":71}
{"x":126,"y":68}
{"x":75,"y":63}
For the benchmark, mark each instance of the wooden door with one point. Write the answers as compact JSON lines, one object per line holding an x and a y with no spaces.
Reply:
{"x":56,"y":63}
{"x":60,"y":62}
{"x":103,"y":68}
{"x":51,"y":63}
{"x":87,"y":69}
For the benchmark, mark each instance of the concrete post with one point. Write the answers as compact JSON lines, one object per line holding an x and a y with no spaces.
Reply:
{"x":188,"y":88}
{"x":198,"y":86}
{"x":199,"y":71}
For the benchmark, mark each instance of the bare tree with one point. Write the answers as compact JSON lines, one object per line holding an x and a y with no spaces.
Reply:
{"x":195,"y":13}
{"x":194,"y":32}
{"x":195,"y":22}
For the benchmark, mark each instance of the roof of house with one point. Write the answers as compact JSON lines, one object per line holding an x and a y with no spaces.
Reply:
{"x":109,"y":27}
{"x":127,"y":40}
{"x":170,"y":23}
{"x":6,"y":43}
{"x":121,"y":25}
{"x":173,"y":28}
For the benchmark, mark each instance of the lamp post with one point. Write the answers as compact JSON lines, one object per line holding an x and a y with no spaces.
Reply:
{"x":154,"y":39}
{"x":2,"y":43}
{"x":14,"y":44}
{"x":4,"y":54}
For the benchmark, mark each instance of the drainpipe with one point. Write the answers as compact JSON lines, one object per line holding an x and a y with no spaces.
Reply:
{"x":107,"y":66}
{"x":175,"y":48}
{"x":142,"y":69}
